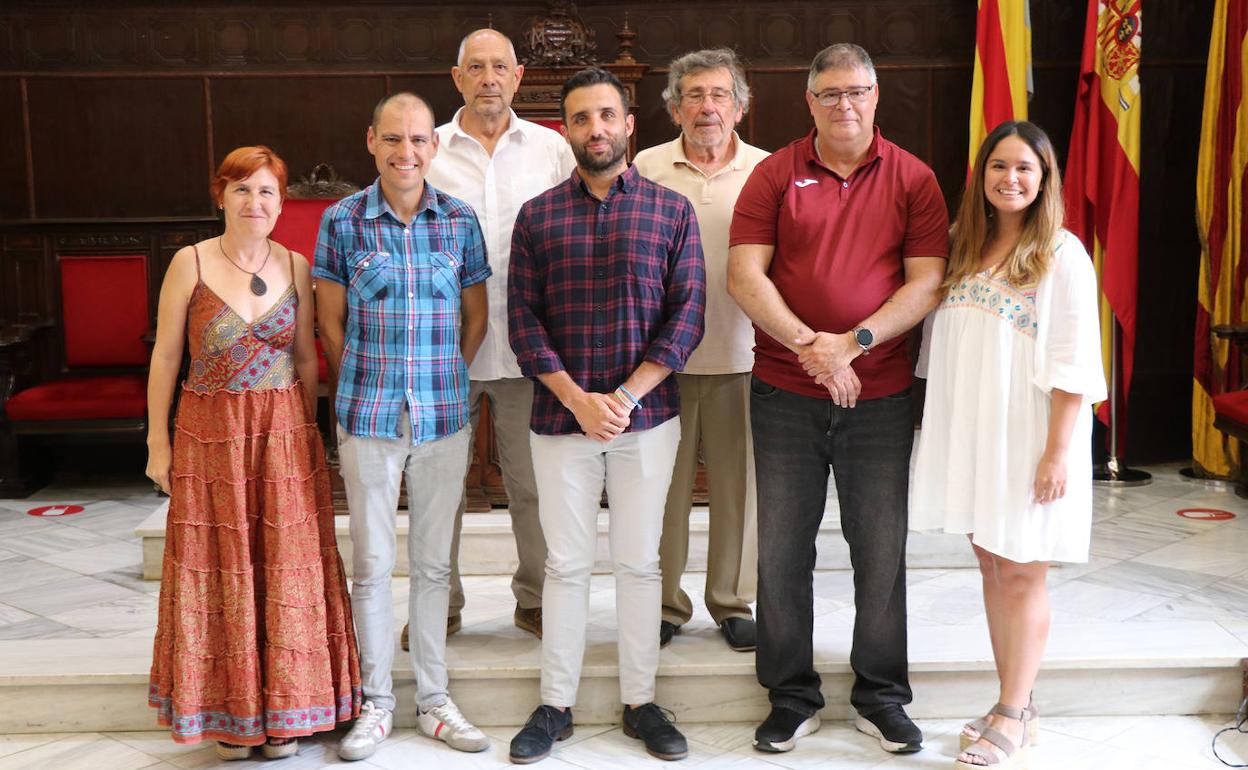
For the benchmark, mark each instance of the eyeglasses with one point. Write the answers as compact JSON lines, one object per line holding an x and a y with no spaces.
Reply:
{"x":719,"y":96}
{"x":856,"y":95}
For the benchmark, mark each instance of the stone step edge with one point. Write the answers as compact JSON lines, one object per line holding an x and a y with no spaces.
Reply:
{"x":79,"y":661}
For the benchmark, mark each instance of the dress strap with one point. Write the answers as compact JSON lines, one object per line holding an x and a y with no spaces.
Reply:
{"x":198,"y":278}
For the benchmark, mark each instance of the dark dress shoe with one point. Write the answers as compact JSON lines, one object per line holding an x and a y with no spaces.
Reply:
{"x":546,"y":725}
{"x":740,"y":633}
{"x":666,"y":632}
{"x":653,"y":725}
{"x":529,"y":620}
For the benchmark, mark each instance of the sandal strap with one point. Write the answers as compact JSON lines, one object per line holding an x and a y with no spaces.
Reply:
{"x":1009,"y":712}
{"x":998,"y":739}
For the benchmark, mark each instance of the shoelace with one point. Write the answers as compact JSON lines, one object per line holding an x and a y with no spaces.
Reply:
{"x":544,"y":718}
{"x":449,"y":714}
{"x":658,"y":712}
{"x":370,"y":717}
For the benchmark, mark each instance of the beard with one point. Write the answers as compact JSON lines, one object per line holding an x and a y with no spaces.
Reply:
{"x":597,"y":164}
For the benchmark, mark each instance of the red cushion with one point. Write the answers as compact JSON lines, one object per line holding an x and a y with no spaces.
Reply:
{"x":298,"y":225}
{"x":85,"y":398}
{"x":104,"y":308}
{"x":1233,"y":406}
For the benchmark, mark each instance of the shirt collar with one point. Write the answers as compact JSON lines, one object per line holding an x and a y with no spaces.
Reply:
{"x":874,"y":150}
{"x":679,"y":156}
{"x":515,"y":129}
{"x":625,"y":182}
{"x":375,"y":203}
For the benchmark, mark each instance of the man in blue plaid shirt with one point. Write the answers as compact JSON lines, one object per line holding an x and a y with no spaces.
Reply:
{"x":606,"y":295}
{"x":401,"y":306}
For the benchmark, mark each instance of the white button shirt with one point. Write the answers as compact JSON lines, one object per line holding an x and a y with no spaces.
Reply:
{"x":528,"y":160}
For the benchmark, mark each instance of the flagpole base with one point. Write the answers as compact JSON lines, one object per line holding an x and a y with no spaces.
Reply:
{"x":1115,"y":474}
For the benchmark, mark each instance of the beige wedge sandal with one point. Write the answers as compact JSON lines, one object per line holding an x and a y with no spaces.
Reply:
{"x":1015,"y":755}
{"x":1031,"y":715}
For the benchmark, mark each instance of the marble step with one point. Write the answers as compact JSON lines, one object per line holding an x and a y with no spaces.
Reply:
{"x":1090,"y":669}
{"x":487,"y":546}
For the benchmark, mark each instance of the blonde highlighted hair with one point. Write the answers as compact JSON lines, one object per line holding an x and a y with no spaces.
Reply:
{"x":975,"y":224}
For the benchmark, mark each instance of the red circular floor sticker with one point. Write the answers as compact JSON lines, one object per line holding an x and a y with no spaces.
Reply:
{"x":55,"y":510}
{"x":1206,"y":514}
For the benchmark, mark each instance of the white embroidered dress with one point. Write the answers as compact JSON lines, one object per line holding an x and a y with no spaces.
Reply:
{"x":991,"y":354}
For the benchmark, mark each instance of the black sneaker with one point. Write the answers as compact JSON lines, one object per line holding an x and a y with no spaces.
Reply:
{"x":654,"y":726}
{"x":896,"y":732}
{"x":740,"y":633}
{"x":666,"y":632}
{"x":547,"y":725}
{"x":783,"y":726}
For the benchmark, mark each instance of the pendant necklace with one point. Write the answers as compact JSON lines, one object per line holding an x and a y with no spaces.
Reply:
{"x":258,"y":286}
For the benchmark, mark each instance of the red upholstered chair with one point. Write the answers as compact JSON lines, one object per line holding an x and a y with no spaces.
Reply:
{"x":103,"y":390}
{"x":296,"y":229}
{"x":1231,"y":408}
{"x":105,"y":320}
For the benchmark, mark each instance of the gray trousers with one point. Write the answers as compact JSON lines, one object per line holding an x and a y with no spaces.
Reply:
{"x":372,"y":469}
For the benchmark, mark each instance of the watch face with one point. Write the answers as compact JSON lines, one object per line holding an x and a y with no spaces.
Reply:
{"x":864,"y":337}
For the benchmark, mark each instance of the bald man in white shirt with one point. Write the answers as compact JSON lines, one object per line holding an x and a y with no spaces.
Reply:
{"x":495,"y":161}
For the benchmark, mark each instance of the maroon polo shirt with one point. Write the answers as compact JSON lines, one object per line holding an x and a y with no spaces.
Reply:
{"x":839,"y":244}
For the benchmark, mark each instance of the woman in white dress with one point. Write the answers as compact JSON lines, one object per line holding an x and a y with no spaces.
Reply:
{"x":1013,"y":362}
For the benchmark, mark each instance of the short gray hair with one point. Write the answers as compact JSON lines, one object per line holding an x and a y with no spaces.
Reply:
{"x":701,"y":61}
{"x":839,"y":56}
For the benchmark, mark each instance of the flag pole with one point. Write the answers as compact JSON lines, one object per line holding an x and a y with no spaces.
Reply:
{"x":1115,"y":473}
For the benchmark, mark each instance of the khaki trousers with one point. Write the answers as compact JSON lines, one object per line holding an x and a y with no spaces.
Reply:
{"x":511,"y":404}
{"x":714,"y":410}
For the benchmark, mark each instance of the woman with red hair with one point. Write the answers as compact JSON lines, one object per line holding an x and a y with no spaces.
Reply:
{"x":254,"y":641}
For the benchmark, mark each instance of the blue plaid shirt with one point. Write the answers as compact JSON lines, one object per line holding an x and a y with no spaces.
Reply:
{"x":403,"y":310}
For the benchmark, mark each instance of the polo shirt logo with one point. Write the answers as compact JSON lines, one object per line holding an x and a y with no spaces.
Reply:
{"x":805,"y":182}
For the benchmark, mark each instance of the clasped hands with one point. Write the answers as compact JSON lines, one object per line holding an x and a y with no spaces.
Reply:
{"x":826,"y":357}
{"x":601,"y":416}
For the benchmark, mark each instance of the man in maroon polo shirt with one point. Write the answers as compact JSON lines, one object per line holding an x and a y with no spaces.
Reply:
{"x":838,"y":243}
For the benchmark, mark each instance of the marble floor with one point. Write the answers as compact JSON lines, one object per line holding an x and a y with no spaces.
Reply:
{"x":77,"y":577}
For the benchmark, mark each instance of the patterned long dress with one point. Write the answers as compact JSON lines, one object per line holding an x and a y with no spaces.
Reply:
{"x":254,"y":637}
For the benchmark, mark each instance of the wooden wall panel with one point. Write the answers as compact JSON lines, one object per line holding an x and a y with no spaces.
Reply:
{"x":306,"y":120}
{"x":13,"y":190}
{"x":121,"y":130}
{"x":112,"y":147}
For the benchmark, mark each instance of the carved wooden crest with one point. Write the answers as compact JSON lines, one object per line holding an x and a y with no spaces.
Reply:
{"x":323,"y":182}
{"x":558,"y":39}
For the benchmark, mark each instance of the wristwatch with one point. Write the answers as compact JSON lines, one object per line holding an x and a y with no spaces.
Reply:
{"x":864,"y":338}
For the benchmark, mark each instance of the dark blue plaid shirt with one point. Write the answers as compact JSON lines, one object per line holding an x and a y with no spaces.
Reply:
{"x":596,"y":287}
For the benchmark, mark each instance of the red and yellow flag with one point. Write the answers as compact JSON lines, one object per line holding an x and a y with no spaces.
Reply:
{"x":1102,"y":184}
{"x":1002,"y":81}
{"x":1221,"y":195}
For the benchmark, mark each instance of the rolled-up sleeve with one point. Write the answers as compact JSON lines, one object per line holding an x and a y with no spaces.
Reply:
{"x":684,"y":300}
{"x":526,"y":307}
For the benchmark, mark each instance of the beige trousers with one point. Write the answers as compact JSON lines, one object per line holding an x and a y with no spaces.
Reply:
{"x":715,"y":412}
{"x":511,"y":404}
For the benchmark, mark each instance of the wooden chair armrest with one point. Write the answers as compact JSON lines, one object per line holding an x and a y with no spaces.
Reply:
{"x":1237,"y":333}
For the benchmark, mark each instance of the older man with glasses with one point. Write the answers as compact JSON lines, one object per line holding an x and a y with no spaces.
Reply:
{"x":838,"y":243}
{"x":708,"y":163}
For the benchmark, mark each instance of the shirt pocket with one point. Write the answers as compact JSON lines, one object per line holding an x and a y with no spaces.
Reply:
{"x":445,"y":277}
{"x":368,"y":276}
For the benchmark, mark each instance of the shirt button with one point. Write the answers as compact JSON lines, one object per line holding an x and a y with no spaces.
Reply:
{"x":364,"y":263}
{"x":597,"y":344}
{"x":409,"y":294}
{"x":410,"y":328}
{"x":844,"y":184}
{"x":409,"y":359}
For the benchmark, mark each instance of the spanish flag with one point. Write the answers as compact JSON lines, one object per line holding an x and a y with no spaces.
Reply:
{"x":1002,"y":81}
{"x":1102,"y":184}
{"x":1220,"y":199}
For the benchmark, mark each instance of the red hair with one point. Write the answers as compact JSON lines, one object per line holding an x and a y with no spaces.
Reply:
{"x":242,"y":163}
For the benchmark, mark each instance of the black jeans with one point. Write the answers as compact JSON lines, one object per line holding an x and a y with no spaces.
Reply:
{"x":796,"y":439}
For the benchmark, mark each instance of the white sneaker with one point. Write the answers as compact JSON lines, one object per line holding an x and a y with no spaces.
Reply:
{"x":371,"y":727}
{"x":446,"y":723}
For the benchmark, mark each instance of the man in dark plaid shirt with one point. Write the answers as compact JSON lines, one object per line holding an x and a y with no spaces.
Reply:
{"x":606,"y":295}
